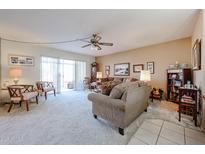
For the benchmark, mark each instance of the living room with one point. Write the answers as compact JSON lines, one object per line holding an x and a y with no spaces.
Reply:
{"x":74,"y":60}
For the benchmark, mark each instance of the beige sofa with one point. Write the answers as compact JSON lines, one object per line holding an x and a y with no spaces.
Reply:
{"x":121,"y":109}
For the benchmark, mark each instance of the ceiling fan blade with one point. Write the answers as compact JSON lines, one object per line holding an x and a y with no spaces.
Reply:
{"x":98,"y":47}
{"x":86,"y":45}
{"x":85,"y":41}
{"x":106,"y":44}
{"x":98,"y":38}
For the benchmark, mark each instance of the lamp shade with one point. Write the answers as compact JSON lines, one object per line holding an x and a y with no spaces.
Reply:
{"x":15,"y":72}
{"x":99,"y":75}
{"x":145,"y":75}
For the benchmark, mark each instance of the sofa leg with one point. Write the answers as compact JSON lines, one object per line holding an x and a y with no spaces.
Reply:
{"x":145,"y":110}
{"x":121,"y":131}
{"x":95,"y":116}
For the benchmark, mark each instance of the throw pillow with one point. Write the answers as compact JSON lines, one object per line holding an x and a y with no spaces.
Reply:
{"x":124,"y":96}
{"x":117,"y":91}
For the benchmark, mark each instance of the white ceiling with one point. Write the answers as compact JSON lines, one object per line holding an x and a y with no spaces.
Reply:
{"x":127,"y":29}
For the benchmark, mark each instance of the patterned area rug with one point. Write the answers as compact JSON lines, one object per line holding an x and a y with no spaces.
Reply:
{"x":68,"y":119}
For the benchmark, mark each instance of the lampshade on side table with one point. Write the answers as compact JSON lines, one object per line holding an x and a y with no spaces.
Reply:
{"x":15,"y":73}
{"x":145,"y":76}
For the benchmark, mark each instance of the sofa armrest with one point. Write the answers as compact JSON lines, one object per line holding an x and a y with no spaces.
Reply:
{"x":106,"y":101}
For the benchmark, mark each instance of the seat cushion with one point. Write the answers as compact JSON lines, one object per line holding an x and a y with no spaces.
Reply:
{"x":29,"y":95}
{"x":15,"y":98}
{"x":47,"y":89}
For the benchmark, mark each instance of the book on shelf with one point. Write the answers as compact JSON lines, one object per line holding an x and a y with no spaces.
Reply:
{"x":187,"y":99}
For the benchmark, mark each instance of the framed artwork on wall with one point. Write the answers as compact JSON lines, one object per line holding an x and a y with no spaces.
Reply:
{"x":107,"y":71}
{"x":19,"y":60}
{"x":122,"y":69}
{"x":196,"y":54}
{"x":150,"y":67}
{"x":107,"y":67}
{"x":137,"y":68}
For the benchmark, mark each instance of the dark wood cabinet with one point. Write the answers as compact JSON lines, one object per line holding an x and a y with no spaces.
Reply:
{"x":189,"y":103}
{"x":175,"y":79}
{"x":94,"y":70}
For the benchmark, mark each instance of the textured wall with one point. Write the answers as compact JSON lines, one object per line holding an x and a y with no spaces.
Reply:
{"x":162,"y":55}
{"x":31,"y":74}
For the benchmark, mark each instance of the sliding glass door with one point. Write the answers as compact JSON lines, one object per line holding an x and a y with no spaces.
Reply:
{"x":49,"y":70}
{"x":66,"y":74}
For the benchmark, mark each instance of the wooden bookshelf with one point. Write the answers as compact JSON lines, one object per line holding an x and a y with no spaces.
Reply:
{"x":176,"y":78}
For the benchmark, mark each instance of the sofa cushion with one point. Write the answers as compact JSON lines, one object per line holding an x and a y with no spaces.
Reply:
{"x":116,"y":92}
{"x":124,"y":96}
{"x":118,"y":79}
{"x":134,"y":79}
{"x":119,"y":89}
{"x":142,"y":83}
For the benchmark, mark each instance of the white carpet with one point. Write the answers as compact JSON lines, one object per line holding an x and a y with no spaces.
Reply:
{"x":68,"y":119}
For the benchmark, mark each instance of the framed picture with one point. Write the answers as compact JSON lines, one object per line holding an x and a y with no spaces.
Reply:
{"x":107,"y":70}
{"x":137,"y":68}
{"x":107,"y":73}
{"x":18,"y":60}
{"x":150,"y":67}
{"x":107,"y":67}
{"x":122,"y":69}
{"x":196,"y":54}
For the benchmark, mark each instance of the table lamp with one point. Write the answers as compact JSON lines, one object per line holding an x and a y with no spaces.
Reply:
{"x":99,"y":75}
{"x":15,"y":73}
{"x":145,"y":75}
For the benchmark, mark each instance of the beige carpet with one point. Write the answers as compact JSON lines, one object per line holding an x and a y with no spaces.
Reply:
{"x":67,"y":119}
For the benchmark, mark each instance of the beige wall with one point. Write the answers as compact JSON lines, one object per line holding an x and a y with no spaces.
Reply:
{"x":199,"y":76}
{"x":31,"y":74}
{"x":162,"y":55}
{"x":197,"y":34}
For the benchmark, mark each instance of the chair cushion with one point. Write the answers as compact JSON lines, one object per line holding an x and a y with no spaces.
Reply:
{"x":29,"y":95}
{"x":15,"y":98}
{"x":47,"y":89}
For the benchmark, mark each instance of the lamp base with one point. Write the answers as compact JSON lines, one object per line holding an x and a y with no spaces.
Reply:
{"x":16,"y":81}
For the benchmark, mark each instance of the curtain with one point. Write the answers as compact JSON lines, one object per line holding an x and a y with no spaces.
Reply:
{"x":67,"y":74}
{"x":80,"y":74}
{"x":63,"y":72}
{"x":49,"y":70}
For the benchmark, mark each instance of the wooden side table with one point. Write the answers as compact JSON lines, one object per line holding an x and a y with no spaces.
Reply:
{"x":188,"y":98}
{"x":156,"y":94}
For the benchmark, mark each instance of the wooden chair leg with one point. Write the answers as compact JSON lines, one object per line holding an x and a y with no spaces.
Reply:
{"x":36,"y":99}
{"x":195,"y":116}
{"x":11,"y":104}
{"x":27,"y":106}
{"x":20,"y":103}
{"x":179,"y":112}
{"x":46,"y":95}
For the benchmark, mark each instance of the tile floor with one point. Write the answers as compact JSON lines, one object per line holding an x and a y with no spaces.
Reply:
{"x":156,"y":131}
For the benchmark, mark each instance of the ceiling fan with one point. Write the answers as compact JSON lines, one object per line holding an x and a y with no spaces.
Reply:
{"x":94,"y":42}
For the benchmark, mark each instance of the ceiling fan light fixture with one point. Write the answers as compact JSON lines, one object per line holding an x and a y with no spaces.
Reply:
{"x":93,"y":47}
